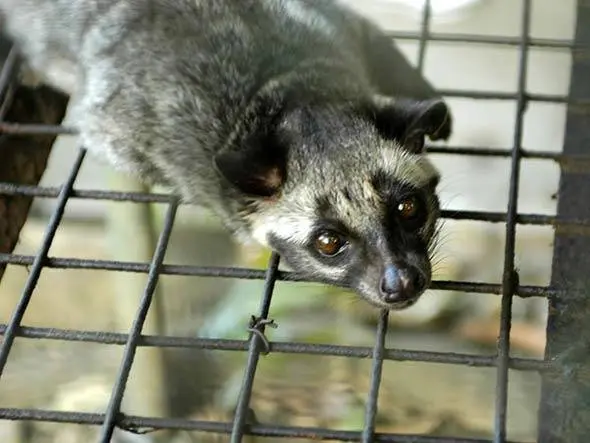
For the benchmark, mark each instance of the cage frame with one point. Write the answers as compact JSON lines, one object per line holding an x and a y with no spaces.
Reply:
{"x":556,"y":423}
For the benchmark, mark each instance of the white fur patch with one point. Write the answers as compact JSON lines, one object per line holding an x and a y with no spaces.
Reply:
{"x":289,"y":228}
{"x":412,"y":169}
{"x":63,"y":74}
{"x":292,"y":229}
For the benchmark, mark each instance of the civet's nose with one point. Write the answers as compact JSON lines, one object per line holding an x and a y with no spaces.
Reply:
{"x":399,"y":284}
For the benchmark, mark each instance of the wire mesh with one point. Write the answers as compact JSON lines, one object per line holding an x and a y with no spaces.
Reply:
{"x":510,"y":275}
{"x":257,"y":344}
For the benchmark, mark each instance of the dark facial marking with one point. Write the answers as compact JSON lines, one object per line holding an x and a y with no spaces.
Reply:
{"x":386,"y":184}
{"x":406,"y":209}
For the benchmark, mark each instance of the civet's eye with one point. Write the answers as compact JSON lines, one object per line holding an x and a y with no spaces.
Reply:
{"x":411,"y":212}
{"x":329,"y":243}
{"x":408,"y":208}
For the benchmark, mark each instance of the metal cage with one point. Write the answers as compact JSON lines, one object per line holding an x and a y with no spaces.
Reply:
{"x":564,"y":410}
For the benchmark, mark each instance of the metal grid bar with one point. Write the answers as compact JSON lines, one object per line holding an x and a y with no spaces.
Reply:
{"x":37,"y":266}
{"x":114,"y":407}
{"x":146,"y":424}
{"x":458,"y":150}
{"x":509,"y":287}
{"x":424,"y":34}
{"x":510,"y":275}
{"x":397,"y":354}
{"x":14,"y":128}
{"x":376,"y":371}
{"x":6,"y":76}
{"x":32,"y":129}
{"x":138,"y":197}
{"x":251,"y":274}
{"x":447,"y":37}
{"x":8,"y":69}
{"x":256,"y":341}
{"x":371,"y":407}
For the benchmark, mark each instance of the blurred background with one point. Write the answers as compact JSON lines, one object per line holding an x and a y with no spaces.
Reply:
{"x":416,"y":397}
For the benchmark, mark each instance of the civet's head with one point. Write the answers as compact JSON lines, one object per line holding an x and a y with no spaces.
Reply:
{"x":345,"y":193}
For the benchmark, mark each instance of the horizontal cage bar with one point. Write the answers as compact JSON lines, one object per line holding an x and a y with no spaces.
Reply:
{"x":247,"y":273}
{"x":484,"y":39}
{"x":218,"y":344}
{"x":139,"y":197}
{"x":149,"y":424}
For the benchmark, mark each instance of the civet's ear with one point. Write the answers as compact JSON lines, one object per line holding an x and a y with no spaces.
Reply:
{"x":410,"y":121}
{"x":258,"y":169}
{"x":254,"y":157}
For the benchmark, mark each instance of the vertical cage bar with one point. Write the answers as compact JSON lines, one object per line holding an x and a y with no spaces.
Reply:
{"x":37,"y":267}
{"x":510,"y":276}
{"x":131,"y":235}
{"x":254,"y":352}
{"x":377,"y":369}
{"x":564,"y":415}
{"x":9,"y":67}
{"x":116,"y":399}
{"x":424,"y":34}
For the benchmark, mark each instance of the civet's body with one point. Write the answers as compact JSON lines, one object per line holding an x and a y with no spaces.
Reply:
{"x":297,"y":122}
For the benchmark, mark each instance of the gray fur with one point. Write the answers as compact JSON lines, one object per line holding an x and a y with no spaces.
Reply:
{"x":256,"y":109}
